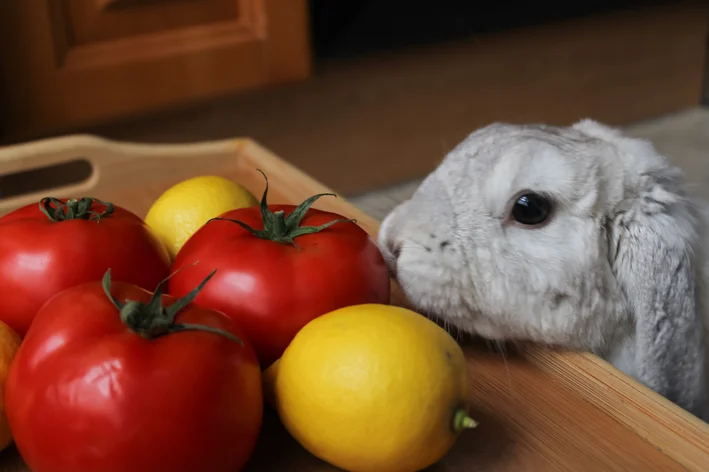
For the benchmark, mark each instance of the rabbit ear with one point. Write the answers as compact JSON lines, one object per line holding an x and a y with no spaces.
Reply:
{"x":656,"y":255}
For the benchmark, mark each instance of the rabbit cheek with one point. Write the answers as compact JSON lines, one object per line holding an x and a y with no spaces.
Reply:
{"x":422,"y":262}
{"x":424,"y":274}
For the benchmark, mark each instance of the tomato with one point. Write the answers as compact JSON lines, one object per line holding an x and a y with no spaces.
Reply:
{"x":280,"y":266}
{"x":108,"y":380}
{"x":59,"y":243}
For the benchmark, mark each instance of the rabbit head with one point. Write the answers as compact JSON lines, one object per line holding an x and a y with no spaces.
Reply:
{"x":578,"y":237}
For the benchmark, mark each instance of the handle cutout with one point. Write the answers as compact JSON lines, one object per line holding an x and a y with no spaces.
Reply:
{"x":31,"y":181}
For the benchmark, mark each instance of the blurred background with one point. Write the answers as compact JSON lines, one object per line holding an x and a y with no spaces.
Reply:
{"x":366,"y":96}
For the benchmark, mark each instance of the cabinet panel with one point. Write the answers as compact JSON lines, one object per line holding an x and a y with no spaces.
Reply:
{"x":87,"y":22}
{"x":66,"y":63}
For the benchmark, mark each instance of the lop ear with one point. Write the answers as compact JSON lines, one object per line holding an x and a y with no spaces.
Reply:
{"x":657,"y":257}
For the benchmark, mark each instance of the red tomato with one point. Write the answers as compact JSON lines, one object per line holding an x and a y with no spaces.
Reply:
{"x":143,"y":390}
{"x":280,"y":266}
{"x":52,"y":246}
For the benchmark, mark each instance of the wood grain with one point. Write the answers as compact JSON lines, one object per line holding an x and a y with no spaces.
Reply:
{"x":539,"y":409}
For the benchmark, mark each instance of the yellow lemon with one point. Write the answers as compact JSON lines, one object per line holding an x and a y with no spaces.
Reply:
{"x":9,"y":344}
{"x":186,"y":206}
{"x":372,"y":388}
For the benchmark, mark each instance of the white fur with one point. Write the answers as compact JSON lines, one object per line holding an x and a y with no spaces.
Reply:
{"x":617,"y":271}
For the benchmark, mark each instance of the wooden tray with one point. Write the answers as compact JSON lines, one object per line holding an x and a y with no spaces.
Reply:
{"x":539,"y":410}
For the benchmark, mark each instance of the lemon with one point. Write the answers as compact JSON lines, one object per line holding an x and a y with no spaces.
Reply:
{"x":372,"y":388}
{"x":186,"y":206}
{"x":9,"y":344}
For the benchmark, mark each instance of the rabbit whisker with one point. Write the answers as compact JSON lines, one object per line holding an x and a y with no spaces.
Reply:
{"x":502,"y":350}
{"x":408,"y":286}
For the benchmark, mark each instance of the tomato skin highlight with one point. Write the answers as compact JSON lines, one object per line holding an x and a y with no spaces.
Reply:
{"x":87,"y":394}
{"x":273,"y":289}
{"x":40,"y":257}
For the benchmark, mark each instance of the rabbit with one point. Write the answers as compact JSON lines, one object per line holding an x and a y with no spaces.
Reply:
{"x":578,"y":237}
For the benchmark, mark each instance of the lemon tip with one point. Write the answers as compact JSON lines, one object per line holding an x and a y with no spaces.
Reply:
{"x":462,"y":420}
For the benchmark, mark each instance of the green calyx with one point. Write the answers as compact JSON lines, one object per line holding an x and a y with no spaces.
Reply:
{"x":462,"y":421}
{"x":74,"y":209}
{"x":284,"y":229}
{"x":151,"y":320}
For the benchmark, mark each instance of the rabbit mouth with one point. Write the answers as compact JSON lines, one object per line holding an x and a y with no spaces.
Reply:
{"x":462,"y":319}
{"x":471,"y":326}
{"x":454,"y":317}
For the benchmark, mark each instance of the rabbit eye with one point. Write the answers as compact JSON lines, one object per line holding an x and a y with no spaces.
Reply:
{"x":531,"y":209}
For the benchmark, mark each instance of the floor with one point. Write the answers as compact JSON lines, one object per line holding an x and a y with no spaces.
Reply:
{"x":360,"y":123}
{"x":682,"y":137}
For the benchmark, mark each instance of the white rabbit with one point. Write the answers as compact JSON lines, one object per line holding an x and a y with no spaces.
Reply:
{"x":578,"y":237}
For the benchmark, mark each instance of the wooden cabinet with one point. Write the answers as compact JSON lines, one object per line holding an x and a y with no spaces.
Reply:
{"x":65,"y":63}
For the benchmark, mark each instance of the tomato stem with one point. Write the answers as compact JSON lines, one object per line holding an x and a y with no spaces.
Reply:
{"x":461,"y":421}
{"x":151,"y":320}
{"x":284,"y":229}
{"x":74,"y":209}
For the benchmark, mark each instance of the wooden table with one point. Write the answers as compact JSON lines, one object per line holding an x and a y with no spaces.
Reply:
{"x":539,"y":409}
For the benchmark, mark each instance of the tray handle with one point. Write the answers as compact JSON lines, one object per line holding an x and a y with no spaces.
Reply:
{"x":27,"y":168}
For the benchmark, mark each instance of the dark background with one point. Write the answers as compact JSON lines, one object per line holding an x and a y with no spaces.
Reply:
{"x":346,"y":28}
